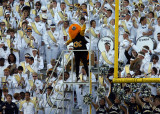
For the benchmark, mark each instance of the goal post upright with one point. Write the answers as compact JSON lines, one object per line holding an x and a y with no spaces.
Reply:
{"x":116,"y":39}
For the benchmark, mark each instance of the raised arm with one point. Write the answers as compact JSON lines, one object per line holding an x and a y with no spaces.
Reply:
{"x":95,"y":105}
{"x":108,"y":101}
{"x":139,"y":100}
{"x":83,"y":30}
{"x":124,"y":109}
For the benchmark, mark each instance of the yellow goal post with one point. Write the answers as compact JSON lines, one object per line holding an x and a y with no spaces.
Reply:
{"x":125,"y":80}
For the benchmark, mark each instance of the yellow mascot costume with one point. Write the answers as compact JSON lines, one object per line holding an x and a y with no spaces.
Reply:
{"x":76,"y":33}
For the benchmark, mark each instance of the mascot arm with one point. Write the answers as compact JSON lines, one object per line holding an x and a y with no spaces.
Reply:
{"x":69,"y":41}
{"x":83,"y":30}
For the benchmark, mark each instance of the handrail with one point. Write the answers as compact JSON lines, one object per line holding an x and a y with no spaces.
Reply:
{"x":48,"y":80}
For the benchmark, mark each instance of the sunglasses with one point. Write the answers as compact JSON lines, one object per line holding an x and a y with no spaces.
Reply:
{"x":3,"y":24}
{"x":8,"y":7}
{"x":34,"y":76}
{"x":29,"y":31}
{"x":21,"y":0}
{"x":37,"y":5}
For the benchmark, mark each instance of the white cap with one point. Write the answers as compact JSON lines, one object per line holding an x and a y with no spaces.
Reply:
{"x":43,"y":8}
{"x":34,"y":49}
{"x":49,"y":22}
{"x":7,"y":12}
{"x":44,"y":16}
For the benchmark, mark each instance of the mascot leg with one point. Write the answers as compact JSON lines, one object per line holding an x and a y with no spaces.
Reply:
{"x":81,"y":56}
{"x":77,"y":61}
{"x":84,"y":60}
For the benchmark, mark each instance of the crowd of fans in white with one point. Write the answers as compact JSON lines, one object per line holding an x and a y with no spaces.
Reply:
{"x":33,"y":34}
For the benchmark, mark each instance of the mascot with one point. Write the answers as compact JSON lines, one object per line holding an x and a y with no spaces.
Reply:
{"x":76,"y":34}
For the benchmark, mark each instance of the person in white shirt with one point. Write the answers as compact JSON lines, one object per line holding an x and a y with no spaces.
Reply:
{"x":63,"y":36}
{"x":95,"y":36}
{"x":125,"y":25}
{"x":123,"y":45}
{"x":51,"y":39}
{"x":48,"y":101}
{"x":8,"y":81}
{"x":107,"y":57}
{"x":20,"y":81}
{"x":68,"y":56}
{"x":37,"y":59}
{"x":17,"y":99}
{"x":126,"y":4}
{"x":18,"y":9}
{"x":152,"y":74}
{"x":55,"y":6}
{"x":149,"y":65}
{"x":3,"y":29}
{"x":85,"y":89}
{"x":11,"y":22}
{"x":27,"y":106}
{"x":37,"y":85}
{"x":31,"y":68}
{"x":142,"y":28}
{"x":63,"y":15}
{"x":157,"y":50}
{"x":39,"y":29}
{"x":36,"y":11}
{"x":15,"y":44}
{"x":155,"y":28}
{"x":5,"y":51}
{"x":25,"y":63}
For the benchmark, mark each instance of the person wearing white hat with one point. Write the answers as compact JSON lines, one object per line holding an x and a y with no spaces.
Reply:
{"x":25,"y":62}
{"x":51,"y":39}
{"x":44,"y":17}
{"x":9,"y":20}
{"x":37,"y":59}
{"x":67,"y":56}
{"x":123,"y":45}
{"x":125,"y":25}
{"x":5,"y":51}
{"x":43,"y":8}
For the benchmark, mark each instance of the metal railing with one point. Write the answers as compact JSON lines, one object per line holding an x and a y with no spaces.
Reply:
{"x":62,"y":54}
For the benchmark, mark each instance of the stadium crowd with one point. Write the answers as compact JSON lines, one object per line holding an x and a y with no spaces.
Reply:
{"x":33,"y":34}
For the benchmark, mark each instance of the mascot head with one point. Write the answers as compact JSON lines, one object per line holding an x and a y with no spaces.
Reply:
{"x":74,"y":29}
